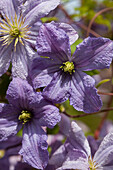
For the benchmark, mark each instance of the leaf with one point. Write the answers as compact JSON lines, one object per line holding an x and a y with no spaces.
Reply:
{"x":102,"y":82}
{"x":73,"y":46}
{"x":92,"y":73}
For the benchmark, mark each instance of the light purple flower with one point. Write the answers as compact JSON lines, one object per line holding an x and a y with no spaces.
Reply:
{"x":18,"y":31}
{"x":64,"y":75}
{"x":28,"y":109}
{"x":76,"y":154}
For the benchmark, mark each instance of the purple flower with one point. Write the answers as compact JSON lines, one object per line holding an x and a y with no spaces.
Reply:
{"x":64,"y":75}
{"x":76,"y":153}
{"x":28,"y":109}
{"x":7,"y":149}
{"x":18,"y":31}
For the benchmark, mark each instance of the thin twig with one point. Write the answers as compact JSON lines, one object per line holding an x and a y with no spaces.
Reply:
{"x":96,"y":15}
{"x":103,"y":93}
{"x":87,"y":114}
{"x":77,"y":23}
{"x":97,"y":132}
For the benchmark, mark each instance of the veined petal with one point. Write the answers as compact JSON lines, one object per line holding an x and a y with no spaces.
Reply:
{"x":64,"y":124}
{"x":19,"y":93}
{"x":93,"y":53}
{"x":53,"y":42}
{"x":94,"y":144}
{"x":83,"y":94}
{"x":58,"y":89}
{"x":5,"y":57}
{"x":70,"y":31}
{"x":14,"y":140}
{"x":104,"y":155}
{"x":7,"y":8}
{"x":20,"y":62}
{"x":9,"y":124}
{"x":78,"y":140}
{"x":36,"y":10}
{"x":34,"y":145}
{"x":106,"y":168}
{"x":33,"y":33}
{"x":75,"y":159}
{"x":17,"y":5}
{"x":49,"y":114}
{"x":58,"y":157}
{"x":42,"y":71}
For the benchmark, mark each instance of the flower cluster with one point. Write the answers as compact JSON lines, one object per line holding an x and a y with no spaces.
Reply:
{"x":41,"y":59}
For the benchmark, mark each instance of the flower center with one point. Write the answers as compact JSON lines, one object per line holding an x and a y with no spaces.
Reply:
{"x":13,"y":29}
{"x":68,"y":67}
{"x":2,"y":153}
{"x":14,"y":32}
{"x":25,"y":116}
{"x":92,"y":164}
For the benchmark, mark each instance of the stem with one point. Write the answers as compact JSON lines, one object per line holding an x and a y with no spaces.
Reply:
{"x":77,"y":23}
{"x":97,"y":132}
{"x":96,"y":15}
{"x":87,"y":114}
{"x":103,"y":93}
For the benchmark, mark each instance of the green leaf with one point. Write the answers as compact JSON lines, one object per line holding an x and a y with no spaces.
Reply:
{"x":91,"y":73}
{"x":73,"y":46}
{"x":49,"y":19}
{"x":54,"y":131}
{"x":4,"y":83}
{"x":102,"y":82}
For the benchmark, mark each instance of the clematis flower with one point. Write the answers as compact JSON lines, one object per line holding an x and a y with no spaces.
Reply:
{"x":7,"y":149}
{"x":28,"y":110}
{"x":76,"y":153}
{"x":63,"y":75}
{"x":18,"y":30}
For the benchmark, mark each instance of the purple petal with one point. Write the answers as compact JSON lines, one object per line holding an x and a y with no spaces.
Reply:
{"x":33,"y":33}
{"x":41,"y":73}
{"x":15,"y":140}
{"x":20,"y":62}
{"x":94,"y":144}
{"x":4,"y":163}
{"x":58,"y":157}
{"x":49,"y":114}
{"x":58,"y":89}
{"x":107,"y":128}
{"x":5,"y":57}
{"x":22,"y":166}
{"x":108,"y":167}
{"x":104,"y":155}
{"x":53,"y":42}
{"x":7,"y":8}
{"x":17,"y":5}
{"x":78,"y":140}
{"x":70,"y":31}
{"x":34,"y":146}
{"x":94,"y":53}
{"x":20,"y":93}
{"x":9,"y":124}
{"x":75,"y":160}
{"x":64,"y":124}
{"x":38,"y":9}
{"x":83,"y":94}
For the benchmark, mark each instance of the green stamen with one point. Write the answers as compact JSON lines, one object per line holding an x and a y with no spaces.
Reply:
{"x":91,"y":164}
{"x":25,"y":116}
{"x":14,"y":32}
{"x":68,"y":67}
